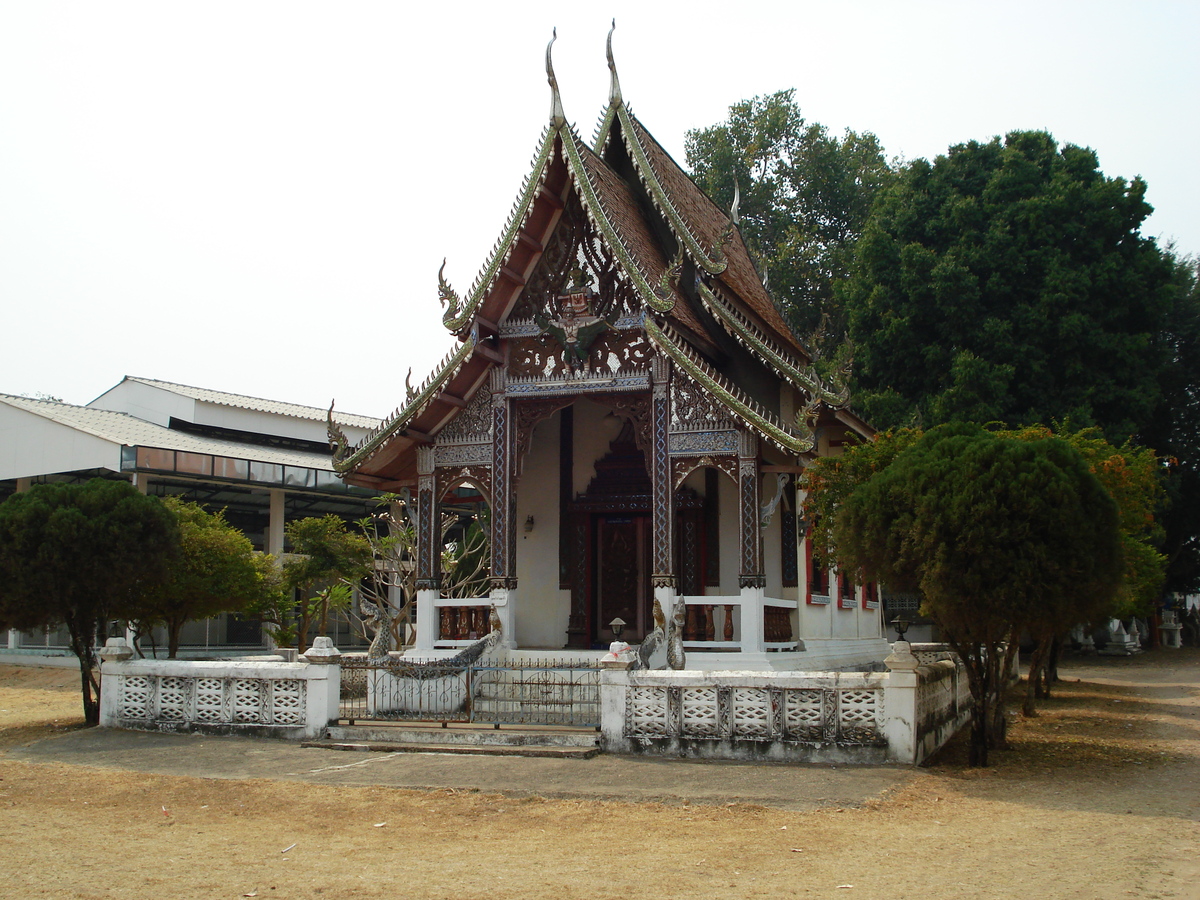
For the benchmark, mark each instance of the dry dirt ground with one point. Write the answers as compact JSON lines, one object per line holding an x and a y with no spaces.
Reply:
{"x":1098,"y":798}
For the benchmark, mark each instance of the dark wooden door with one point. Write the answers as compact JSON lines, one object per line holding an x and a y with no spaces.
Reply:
{"x":622,"y":588}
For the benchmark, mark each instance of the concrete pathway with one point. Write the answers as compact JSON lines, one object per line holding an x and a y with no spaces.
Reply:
{"x":796,"y":787}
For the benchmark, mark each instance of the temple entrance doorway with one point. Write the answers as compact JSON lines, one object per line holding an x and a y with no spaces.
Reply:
{"x":621,"y":563}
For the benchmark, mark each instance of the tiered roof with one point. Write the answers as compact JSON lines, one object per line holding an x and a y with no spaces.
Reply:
{"x":688,"y":323}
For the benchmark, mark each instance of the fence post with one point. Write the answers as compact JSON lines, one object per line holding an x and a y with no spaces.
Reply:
{"x":614,"y":690}
{"x":900,"y":725}
{"x":114,"y":652}
{"x":324,"y":676}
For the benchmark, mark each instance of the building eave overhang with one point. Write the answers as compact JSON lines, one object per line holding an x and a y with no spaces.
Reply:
{"x":802,"y":376}
{"x":798,"y":440}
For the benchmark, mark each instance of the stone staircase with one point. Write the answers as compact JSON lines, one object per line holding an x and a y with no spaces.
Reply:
{"x":461,"y":737}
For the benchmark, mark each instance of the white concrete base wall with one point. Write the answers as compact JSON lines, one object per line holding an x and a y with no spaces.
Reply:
{"x":277,"y":699}
{"x":902,"y":716}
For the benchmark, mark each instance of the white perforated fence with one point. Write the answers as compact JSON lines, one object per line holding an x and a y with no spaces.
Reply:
{"x":211,"y":701}
{"x":800,"y":715}
{"x":280,"y":698}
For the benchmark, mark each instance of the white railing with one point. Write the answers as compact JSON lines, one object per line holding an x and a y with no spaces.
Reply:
{"x":727,"y":620}
{"x":453,"y":603}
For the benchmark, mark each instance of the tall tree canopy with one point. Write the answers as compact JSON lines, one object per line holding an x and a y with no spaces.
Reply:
{"x":805,"y":196}
{"x":1008,"y":281}
{"x":80,"y":555}
{"x":216,"y":571}
{"x":996,"y":533}
{"x":1175,"y":429}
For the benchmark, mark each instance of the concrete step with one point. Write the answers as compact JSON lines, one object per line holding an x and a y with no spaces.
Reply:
{"x":465,"y":735}
{"x":473,"y":749}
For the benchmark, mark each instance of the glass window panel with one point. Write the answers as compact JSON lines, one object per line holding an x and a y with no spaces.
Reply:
{"x":153,"y":458}
{"x":225,"y":467}
{"x":294,"y":476}
{"x":267,"y":473}
{"x":193,"y":463}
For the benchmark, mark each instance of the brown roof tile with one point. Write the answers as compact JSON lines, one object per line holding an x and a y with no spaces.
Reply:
{"x":707,"y":222}
{"x":621,"y":209}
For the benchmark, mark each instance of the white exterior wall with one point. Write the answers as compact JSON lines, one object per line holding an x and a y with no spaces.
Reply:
{"x":153,"y":404}
{"x":772,"y":538}
{"x":542,"y":608}
{"x":594,"y":429}
{"x":730,"y":537}
{"x":46,"y":448}
{"x":159,"y":405}
{"x":260,"y":422}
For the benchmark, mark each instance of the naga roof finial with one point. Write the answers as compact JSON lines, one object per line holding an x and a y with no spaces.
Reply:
{"x":557,"y":117}
{"x":338,"y":442}
{"x":614,"y":86}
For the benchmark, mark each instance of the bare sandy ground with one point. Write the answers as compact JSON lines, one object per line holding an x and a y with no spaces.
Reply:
{"x":1097,"y":799}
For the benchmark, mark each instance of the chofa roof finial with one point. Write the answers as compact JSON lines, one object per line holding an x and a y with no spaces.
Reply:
{"x":557,"y":117}
{"x":614,"y":87}
{"x":737,"y":199}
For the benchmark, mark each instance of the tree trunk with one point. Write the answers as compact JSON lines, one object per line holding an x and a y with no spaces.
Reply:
{"x":1033,"y":680}
{"x":304,"y":621}
{"x":999,"y":732}
{"x":84,"y":647}
{"x":977,"y":675}
{"x":1051,"y":675}
{"x":174,"y":627}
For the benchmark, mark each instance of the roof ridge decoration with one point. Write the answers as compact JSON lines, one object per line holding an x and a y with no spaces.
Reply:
{"x":416,"y":404}
{"x":557,"y":116}
{"x":746,"y":333}
{"x":338,"y":442}
{"x":801,"y":438}
{"x":714,"y":262}
{"x":614,"y":84}
{"x":604,"y":125}
{"x":658,"y":298}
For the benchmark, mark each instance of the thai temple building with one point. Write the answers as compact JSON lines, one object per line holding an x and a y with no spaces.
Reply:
{"x":627,"y":402}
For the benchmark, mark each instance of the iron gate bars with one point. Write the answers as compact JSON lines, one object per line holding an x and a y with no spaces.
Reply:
{"x":546,"y":692}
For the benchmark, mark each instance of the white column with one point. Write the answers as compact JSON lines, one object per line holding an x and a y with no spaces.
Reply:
{"x":141,"y":481}
{"x":14,"y":639}
{"x":614,"y":688}
{"x":752,"y":620}
{"x":275,"y":528}
{"x":502,"y":599}
{"x":900,"y":705}
{"x":427,"y":619}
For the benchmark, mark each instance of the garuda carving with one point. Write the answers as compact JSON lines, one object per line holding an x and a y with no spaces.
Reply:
{"x":575,"y":328}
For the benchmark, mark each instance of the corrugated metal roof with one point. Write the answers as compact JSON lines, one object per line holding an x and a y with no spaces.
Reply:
{"x":127,"y":430}
{"x":241,"y":401}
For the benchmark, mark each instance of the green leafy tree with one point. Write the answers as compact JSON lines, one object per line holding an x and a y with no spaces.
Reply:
{"x":390,"y":591}
{"x":805,"y":196}
{"x":329,"y":559}
{"x":994,"y":533}
{"x":1175,"y":428}
{"x":216,"y":571}
{"x":829,"y":480}
{"x":81,"y":555}
{"x":1131,"y":475}
{"x":1007,"y":281}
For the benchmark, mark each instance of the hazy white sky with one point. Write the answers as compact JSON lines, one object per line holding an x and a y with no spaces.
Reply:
{"x":256,"y":196}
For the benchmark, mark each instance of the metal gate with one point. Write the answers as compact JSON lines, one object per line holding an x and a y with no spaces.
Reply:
{"x":547,"y":692}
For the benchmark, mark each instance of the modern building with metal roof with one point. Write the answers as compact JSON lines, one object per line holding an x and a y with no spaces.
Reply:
{"x":263,"y":462}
